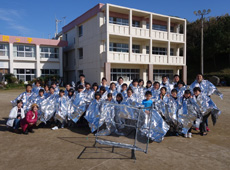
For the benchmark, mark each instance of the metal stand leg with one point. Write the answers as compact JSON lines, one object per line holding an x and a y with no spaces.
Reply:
{"x":133,"y":154}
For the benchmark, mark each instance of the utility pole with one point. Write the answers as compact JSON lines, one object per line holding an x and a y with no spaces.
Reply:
{"x":199,"y":13}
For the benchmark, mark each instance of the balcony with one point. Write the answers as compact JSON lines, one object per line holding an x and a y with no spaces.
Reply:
{"x":159,"y":59}
{"x":176,"y":37}
{"x":176,"y":60}
{"x":136,"y":58}
{"x":118,"y":57}
{"x":159,"y":35}
{"x":118,"y":29}
{"x":140,"y":32}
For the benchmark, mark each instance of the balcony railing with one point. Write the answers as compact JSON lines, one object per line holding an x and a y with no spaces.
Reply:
{"x":176,"y":37}
{"x":159,"y":35}
{"x":140,"y":32}
{"x":138,"y":58}
{"x":118,"y":29}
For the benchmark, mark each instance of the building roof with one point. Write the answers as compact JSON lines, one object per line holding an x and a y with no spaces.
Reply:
{"x":34,"y":41}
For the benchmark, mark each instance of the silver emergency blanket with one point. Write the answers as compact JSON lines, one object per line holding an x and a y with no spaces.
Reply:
{"x":79,"y":106}
{"x":70,"y":108}
{"x":156,"y":128}
{"x":207,"y":88}
{"x":24,"y":97}
{"x":113,"y":92}
{"x":38,"y":100}
{"x":206,"y":106}
{"x":141,"y":95}
{"x":187,"y":113}
{"x":48,"y":108}
{"x":107,"y":116}
{"x":172,"y":111}
{"x":155,"y":94}
{"x":93,"y":114}
{"x":180,"y":92}
{"x":61,"y":108}
{"x":167,"y":86}
{"x":36,"y":89}
{"x":73,"y":84}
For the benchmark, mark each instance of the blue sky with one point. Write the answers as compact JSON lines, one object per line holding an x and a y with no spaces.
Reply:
{"x":32,"y":18}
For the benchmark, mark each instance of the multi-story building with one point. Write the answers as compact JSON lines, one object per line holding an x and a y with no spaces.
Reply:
{"x":28,"y":58}
{"x":112,"y":41}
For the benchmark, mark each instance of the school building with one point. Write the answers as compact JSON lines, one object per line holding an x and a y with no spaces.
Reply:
{"x":112,"y":41}
{"x":28,"y":58}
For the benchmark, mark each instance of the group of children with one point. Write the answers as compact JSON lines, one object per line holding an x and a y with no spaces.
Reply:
{"x":166,"y":108}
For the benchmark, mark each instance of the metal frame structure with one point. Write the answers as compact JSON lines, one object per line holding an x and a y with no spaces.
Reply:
{"x":137,"y":128}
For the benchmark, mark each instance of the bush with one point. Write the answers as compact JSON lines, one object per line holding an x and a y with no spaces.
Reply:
{"x":224,"y":76}
{"x":10,"y":78}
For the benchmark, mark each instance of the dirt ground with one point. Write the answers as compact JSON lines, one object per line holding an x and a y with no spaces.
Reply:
{"x":72,"y":148}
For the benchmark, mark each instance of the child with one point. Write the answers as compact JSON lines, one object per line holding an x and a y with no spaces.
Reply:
{"x":113,"y":90}
{"x":155,"y":90}
{"x":87,"y":90}
{"x":180,"y":88}
{"x":104,"y":83}
{"x":110,"y":97}
{"x":15,"y":116}
{"x":163,"y":94}
{"x":48,"y":106}
{"x":93,"y":91}
{"x":119,"y":84}
{"x":124,"y":90}
{"x":37,"y":87}
{"x":29,"y":120}
{"x":46,"y":91}
{"x":103,"y":92}
{"x":148,"y":86}
{"x":165,"y":83}
{"x":23,"y":96}
{"x":67,"y":88}
{"x":134,"y":87}
{"x":38,"y":100}
{"x":187,"y":113}
{"x":61,"y":109}
{"x":147,"y":102}
{"x":56,"y":89}
{"x":93,"y":113}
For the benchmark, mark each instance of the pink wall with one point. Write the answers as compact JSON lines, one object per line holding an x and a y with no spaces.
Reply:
{"x":35,"y":41}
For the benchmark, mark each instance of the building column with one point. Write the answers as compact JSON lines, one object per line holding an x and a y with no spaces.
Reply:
{"x":38,"y":68}
{"x":169,"y":26}
{"x":144,"y":74}
{"x":150,"y":25}
{"x":130,"y":47}
{"x":150,"y":72}
{"x":150,"y":34}
{"x":185,"y":74}
{"x":61,"y":61}
{"x":130,"y":21}
{"x":11,"y":57}
{"x":107,"y":33}
{"x":107,"y":73}
{"x":185,"y":39}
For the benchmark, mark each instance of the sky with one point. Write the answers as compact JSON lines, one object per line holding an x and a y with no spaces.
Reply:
{"x":36,"y":18}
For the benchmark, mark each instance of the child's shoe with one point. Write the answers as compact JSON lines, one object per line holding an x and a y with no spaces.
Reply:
{"x":189,"y":135}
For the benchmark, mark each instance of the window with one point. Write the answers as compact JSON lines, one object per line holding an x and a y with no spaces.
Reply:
{"x":24,"y":51}
{"x":127,"y":74}
{"x":157,"y":75}
{"x":118,"y":47}
{"x":49,"y":72}
{"x":25,"y":74}
{"x":66,"y":37}
{"x":171,"y":29}
{"x":171,"y":52}
{"x":49,"y":52}
{"x":147,"y":49}
{"x":80,"y":72}
{"x":136,"y":23}
{"x":159,"y":51}
{"x":160,"y":27}
{"x":136,"y":48}
{"x":80,"y":53}
{"x":80,"y":30}
{"x":120,"y":21}
{"x":3,"y":50}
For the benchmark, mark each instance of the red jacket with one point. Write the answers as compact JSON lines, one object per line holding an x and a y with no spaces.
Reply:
{"x":28,"y":119}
